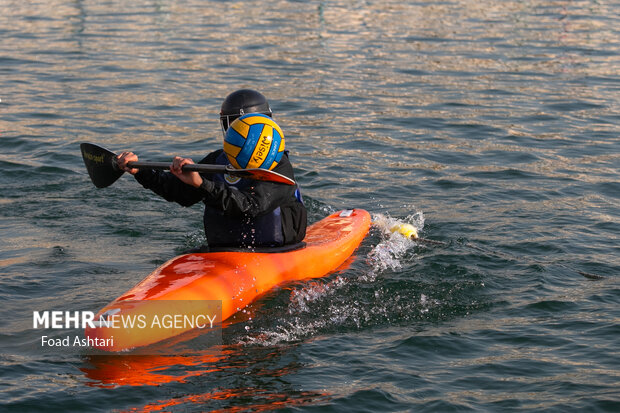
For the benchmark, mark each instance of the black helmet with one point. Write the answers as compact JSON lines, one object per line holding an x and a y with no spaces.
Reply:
{"x":240,"y":102}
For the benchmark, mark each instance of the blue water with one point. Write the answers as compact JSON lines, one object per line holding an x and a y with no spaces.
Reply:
{"x":491,"y":126}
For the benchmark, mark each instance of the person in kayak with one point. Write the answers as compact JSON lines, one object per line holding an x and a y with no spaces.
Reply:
{"x":238,"y":212}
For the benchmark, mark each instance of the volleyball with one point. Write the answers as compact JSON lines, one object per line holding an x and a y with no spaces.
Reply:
{"x":254,"y":141}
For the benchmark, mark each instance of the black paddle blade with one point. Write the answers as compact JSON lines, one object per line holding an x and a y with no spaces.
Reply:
{"x":100,"y":164}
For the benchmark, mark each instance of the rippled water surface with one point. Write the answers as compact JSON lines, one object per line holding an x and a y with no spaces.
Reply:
{"x":492,"y":126}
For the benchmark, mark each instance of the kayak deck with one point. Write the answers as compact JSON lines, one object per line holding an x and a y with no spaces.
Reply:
{"x":235,"y":278}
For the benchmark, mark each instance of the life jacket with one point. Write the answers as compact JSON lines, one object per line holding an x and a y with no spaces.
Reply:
{"x":222,"y":230}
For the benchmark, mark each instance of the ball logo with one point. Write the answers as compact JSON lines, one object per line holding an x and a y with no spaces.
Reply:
{"x":231,"y":180}
{"x":93,"y":158}
{"x":262,"y":149}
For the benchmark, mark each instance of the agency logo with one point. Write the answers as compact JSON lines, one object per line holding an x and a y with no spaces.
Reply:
{"x":132,"y":327}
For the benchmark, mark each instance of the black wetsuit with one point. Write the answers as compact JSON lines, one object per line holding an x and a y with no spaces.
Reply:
{"x":238,"y":212}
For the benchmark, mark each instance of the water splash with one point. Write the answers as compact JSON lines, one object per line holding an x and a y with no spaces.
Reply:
{"x":389,"y":253}
{"x":323,"y":305}
{"x":194,"y":239}
{"x":303,"y":298}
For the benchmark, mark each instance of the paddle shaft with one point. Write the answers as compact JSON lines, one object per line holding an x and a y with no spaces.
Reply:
{"x":164,"y":166}
{"x":103,"y":169}
{"x":255,"y":174}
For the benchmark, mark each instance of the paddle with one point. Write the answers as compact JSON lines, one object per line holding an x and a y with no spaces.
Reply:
{"x":103,"y":170}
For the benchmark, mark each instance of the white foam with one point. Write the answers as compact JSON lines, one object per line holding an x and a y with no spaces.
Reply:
{"x":321,"y":296}
{"x":389,"y":253}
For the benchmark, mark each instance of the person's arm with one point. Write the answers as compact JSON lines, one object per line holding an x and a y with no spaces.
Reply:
{"x":260,"y":198}
{"x":162,"y":183}
{"x":169,"y":187}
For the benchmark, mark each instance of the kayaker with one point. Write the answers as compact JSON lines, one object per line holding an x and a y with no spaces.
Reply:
{"x":238,"y":212}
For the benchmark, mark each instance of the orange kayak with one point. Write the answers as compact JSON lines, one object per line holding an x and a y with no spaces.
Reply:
{"x":230,"y":279}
